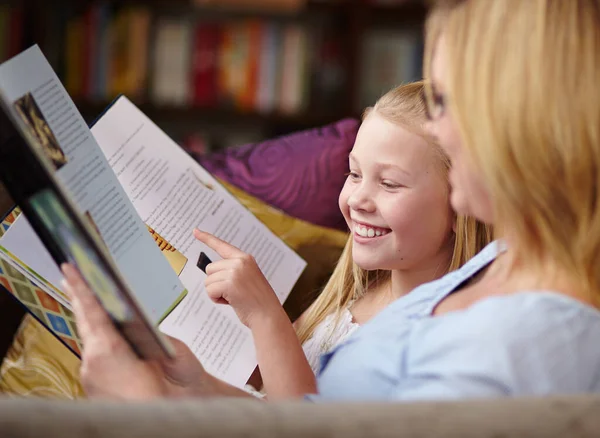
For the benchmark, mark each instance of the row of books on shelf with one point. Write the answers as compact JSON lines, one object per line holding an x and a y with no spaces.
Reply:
{"x":389,"y":58}
{"x":256,"y":65}
{"x":247,"y":64}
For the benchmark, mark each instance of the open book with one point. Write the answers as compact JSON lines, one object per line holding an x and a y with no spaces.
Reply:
{"x":143,"y":195}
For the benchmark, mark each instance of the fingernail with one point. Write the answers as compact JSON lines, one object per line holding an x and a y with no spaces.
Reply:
{"x":67,"y":269}
{"x":64,"y":284}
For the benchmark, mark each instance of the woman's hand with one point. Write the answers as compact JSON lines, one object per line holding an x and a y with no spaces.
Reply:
{"x":110,"y":368}
{"x":238,"y":281}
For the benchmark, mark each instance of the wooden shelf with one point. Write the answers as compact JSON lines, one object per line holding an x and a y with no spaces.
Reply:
{"x":198,"y":115}
{"x":413,"y":12}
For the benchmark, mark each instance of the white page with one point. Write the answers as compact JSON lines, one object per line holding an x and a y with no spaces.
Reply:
{"x":93,"y":185}
{"x":173,"y":194}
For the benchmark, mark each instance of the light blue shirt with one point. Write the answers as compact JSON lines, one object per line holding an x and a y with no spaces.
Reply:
{"x":528,"y":343}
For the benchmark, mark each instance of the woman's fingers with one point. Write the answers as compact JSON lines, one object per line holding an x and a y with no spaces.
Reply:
{"x":92,"y":320}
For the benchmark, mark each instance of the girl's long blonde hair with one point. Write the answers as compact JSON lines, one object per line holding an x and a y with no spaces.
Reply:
{"x":405,"y":106}
{"x":522,"y":84}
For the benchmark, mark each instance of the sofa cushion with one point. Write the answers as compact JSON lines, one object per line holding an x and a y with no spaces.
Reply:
{"x":39,"y":365}
{"x":301,"y":173}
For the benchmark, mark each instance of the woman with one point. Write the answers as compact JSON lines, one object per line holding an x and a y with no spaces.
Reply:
{"x":514,"y":104}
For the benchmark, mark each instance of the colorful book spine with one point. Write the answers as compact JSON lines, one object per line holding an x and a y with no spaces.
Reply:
{"x":207,"y":39}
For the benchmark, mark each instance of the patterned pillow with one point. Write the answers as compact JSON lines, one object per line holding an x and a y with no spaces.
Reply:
{"x":37,"y":364}
{"x":301,"y":173}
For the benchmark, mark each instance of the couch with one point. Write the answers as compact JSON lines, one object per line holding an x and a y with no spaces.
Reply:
{"x":291,"y":183}
{"x":566,"y":417}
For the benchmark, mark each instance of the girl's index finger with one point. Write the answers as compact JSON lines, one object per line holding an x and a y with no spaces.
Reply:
{"x":224,"y":249}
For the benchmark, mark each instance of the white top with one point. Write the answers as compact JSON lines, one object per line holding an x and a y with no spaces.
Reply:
{"x":328,"y":335}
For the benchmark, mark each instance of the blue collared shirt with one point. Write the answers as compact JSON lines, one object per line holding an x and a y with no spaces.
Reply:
{"x":527,"y":343}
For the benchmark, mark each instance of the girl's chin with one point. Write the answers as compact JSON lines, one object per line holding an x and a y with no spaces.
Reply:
{"x":368,"y":265}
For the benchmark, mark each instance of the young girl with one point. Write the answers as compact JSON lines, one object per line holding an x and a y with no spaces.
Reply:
{"x":395,"y":202}
{"x":404,"y":233}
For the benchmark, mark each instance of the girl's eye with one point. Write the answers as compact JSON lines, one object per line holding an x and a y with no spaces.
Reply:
{"x":390,"y":185}
{"x":353,"y":175}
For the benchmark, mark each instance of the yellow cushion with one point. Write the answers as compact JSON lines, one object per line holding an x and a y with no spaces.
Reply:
{"x":39,"y":365}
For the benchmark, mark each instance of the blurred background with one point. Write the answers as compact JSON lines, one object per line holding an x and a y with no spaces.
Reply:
{"x":217,"y":73}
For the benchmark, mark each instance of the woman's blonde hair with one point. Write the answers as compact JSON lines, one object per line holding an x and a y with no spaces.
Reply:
{"x":522,"y":83}
{"x":404,"y":106}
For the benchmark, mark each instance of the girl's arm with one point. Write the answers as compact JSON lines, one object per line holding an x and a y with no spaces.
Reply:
{"x":255,"y":380}
{"x":283,"y":365}
{"x":237,"y":280}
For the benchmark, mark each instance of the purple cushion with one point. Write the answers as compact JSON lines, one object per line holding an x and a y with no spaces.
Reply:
{"x":301,"y":173}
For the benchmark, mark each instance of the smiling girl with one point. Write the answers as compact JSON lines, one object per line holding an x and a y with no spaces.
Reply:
{"x":403,"y":231}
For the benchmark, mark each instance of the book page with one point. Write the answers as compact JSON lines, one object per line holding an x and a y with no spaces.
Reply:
{"x":47,"y":110}
{"x":173,"y":194}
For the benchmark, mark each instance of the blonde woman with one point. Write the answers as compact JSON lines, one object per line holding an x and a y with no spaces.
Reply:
{"x":514,"y":104}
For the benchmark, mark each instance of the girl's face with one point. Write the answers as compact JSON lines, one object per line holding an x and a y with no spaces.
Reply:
{"x":468,"y":193}
{"x":395,"y":200}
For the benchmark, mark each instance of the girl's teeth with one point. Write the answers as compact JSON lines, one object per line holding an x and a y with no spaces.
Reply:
{"x":368,"y":232}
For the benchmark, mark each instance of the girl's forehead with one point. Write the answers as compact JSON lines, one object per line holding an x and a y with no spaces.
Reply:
{"x":382,"y":141}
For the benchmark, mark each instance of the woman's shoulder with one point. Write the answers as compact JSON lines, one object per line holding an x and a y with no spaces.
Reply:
{"x":541,"y":308}
{"x":424,"y":297}
{"x":531,"y":311}
{"x":533,"y":342}
{"x":535,"y":323}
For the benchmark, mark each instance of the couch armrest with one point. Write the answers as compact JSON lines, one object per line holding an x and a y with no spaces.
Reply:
{"x":551,"y":418}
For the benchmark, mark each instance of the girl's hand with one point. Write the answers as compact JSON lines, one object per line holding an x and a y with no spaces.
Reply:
{"x":110,"y":369}
{"x":238,"y":281}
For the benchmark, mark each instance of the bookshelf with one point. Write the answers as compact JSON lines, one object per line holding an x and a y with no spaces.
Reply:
{"x":327,"y":51}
